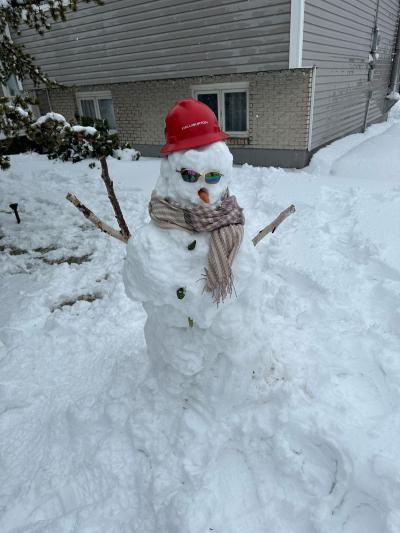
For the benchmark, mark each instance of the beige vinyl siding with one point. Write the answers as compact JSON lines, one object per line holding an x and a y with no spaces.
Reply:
{"x":131,"y":40}
{"x":337,"y":39}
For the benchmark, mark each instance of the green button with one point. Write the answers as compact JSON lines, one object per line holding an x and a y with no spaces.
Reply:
{"x":180,"y":293}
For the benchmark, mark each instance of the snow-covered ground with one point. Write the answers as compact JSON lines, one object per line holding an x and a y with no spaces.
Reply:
{"x":90,"y":444}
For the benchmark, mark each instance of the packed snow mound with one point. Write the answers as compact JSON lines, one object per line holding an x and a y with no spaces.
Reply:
{"x":324,"y":159}
{"x":393,"y":95}
{"x":91,"y":442}
{"x":369,"y":160}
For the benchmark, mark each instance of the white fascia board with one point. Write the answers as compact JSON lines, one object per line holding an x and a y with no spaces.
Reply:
{"x":296,"y":34}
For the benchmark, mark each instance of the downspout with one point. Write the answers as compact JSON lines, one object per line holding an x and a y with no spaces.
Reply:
{"x":373,"y":57}
{"x":48,"y":99}
{"x":296,"y":34}
{"x":394,"y":74}
{"x":365,"y":123}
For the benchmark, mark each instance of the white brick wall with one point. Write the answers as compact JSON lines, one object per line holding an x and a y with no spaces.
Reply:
{"x":279,"y":107}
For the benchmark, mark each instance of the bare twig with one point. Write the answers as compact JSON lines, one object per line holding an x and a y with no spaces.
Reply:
{"x":94,"y":219}
{"x":274,"y":224}
{"x":113,"y":199}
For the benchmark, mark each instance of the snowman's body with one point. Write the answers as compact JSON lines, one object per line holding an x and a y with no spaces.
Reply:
{"x":189,"y":333}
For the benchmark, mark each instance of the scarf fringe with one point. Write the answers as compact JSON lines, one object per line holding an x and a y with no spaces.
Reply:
{"x":220,"y":291}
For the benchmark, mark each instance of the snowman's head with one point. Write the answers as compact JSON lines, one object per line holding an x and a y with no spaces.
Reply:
{"x":191,"y":177}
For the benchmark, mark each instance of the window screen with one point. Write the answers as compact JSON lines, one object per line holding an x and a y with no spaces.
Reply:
{"x":88,"y":109}
{"x":107,"y":112}
{"x":236,"y":111}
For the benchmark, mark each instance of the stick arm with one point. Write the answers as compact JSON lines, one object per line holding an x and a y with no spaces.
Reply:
{"x":274,"y":224}
{"x":86,"y":212}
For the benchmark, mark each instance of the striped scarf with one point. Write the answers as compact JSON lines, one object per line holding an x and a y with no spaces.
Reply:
{"x":226,"y":226}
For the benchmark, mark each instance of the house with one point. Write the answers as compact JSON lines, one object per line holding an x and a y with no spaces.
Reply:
{"x":284,"y":77}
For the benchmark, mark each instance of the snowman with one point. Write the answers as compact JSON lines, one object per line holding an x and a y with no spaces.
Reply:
{"x":196,"y":271}
{"x":193,"y":266}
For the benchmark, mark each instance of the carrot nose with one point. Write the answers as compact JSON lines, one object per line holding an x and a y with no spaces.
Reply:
{"x":203,"y":193}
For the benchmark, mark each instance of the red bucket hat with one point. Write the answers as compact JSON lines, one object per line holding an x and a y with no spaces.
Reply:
{"x":191,"y":124}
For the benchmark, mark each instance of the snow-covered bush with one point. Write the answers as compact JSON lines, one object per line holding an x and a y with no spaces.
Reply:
{"x":15,"y":117}
{"x":126,"y":153}
{"x":47,"y":132}
{"x":56,"y":137}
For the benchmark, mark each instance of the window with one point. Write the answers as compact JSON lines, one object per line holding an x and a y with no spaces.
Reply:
{"x":13,"y":87}
{"x":229,"y":103}
{"x":97,"y":106}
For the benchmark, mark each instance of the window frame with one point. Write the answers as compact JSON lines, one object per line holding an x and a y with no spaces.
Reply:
{"x":95,"y":96}
{"x":220,"y":89}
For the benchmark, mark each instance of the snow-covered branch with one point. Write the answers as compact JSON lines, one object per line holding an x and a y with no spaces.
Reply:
{"x":113,"y":198}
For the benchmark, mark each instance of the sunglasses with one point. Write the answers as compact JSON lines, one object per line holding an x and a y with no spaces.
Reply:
{"x":191,"y":176}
